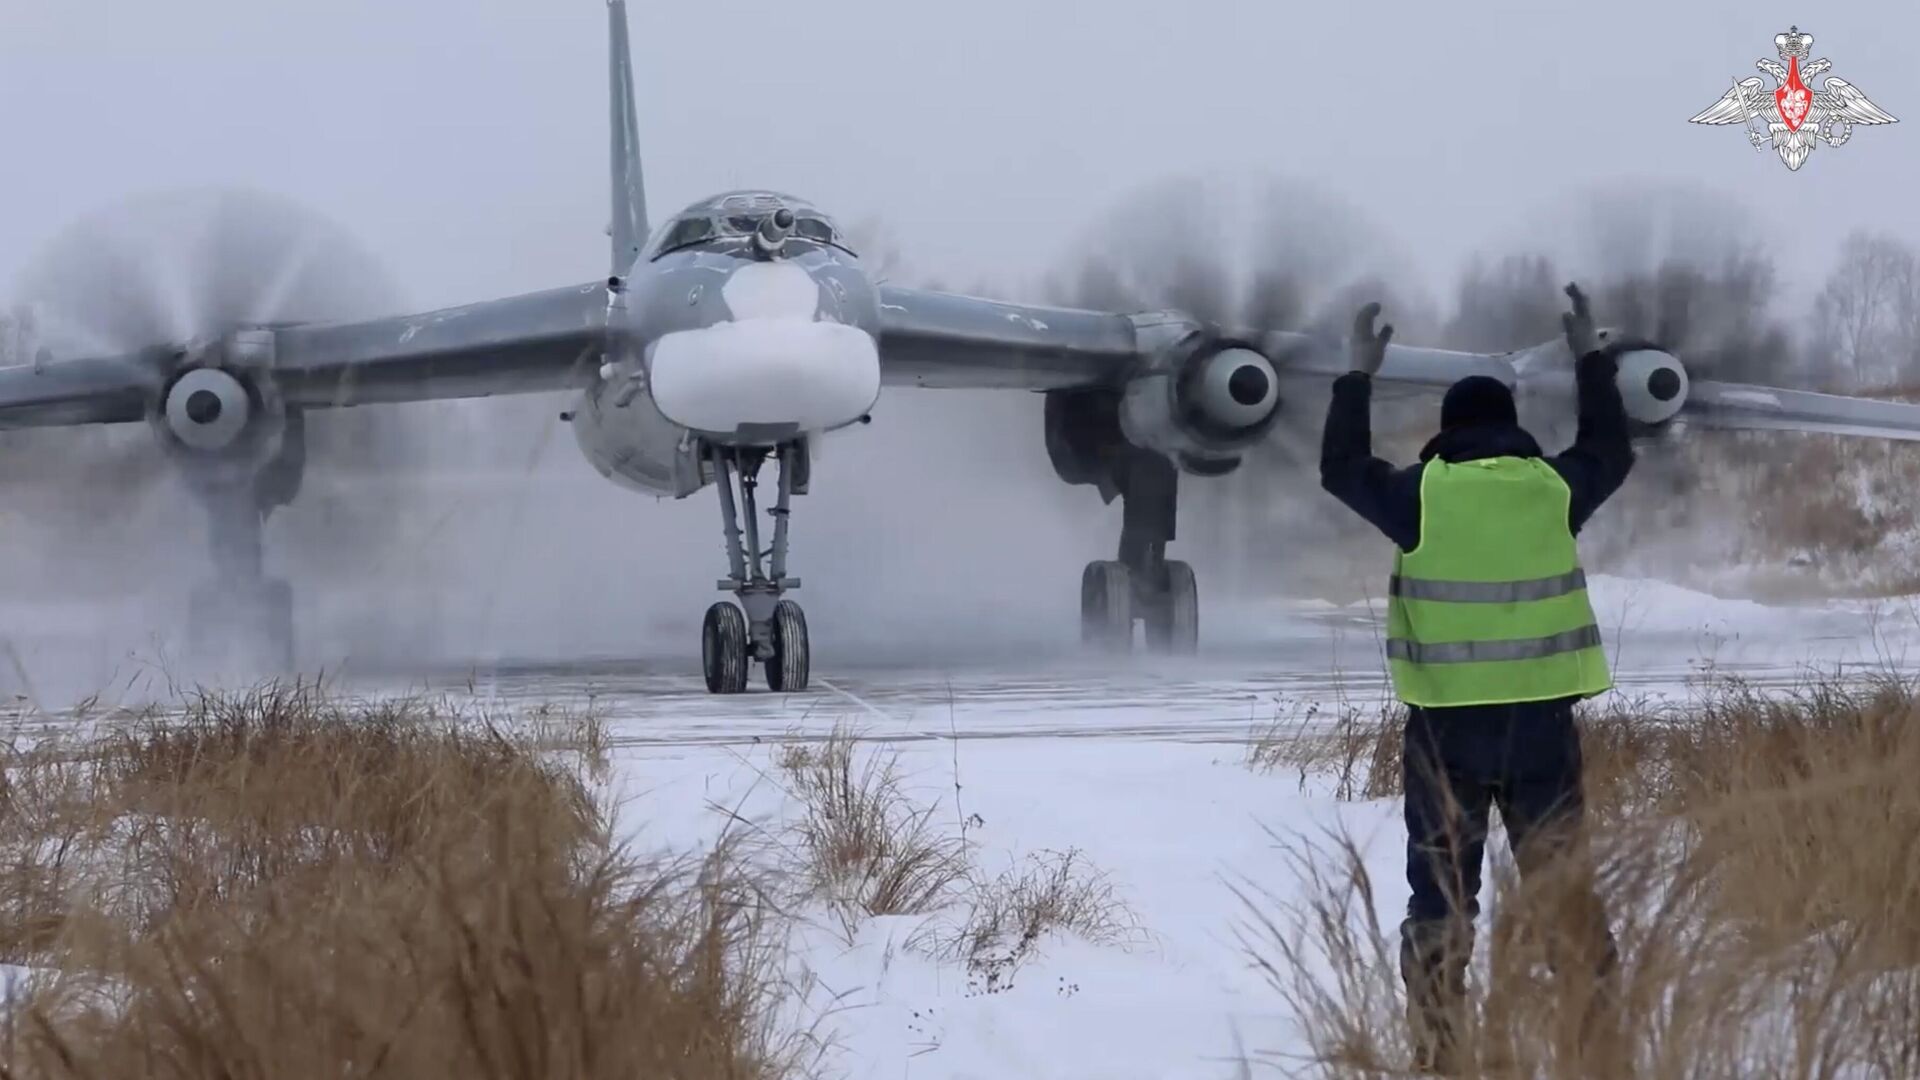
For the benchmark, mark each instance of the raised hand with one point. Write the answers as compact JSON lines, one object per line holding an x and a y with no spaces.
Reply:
{"x":1582,"y":338}
{"x":1368,"y":349}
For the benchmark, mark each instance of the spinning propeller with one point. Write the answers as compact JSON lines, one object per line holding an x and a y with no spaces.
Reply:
{"x":1243,"y":259}
{"x":173,"y":272}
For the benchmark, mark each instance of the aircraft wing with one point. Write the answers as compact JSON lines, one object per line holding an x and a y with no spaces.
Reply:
{"x":954,"y":342}
{"x":1711,"y":404}
{"x":541,"y":341}
{"x":1738,"y":406}
{"x":102,"y":390}
{"x":950,"y":341}
{"x":1406,"y":368}
{"x":945,"y":340}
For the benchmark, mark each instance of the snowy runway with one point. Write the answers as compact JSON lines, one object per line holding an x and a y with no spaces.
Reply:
{"x":1256,"y":666}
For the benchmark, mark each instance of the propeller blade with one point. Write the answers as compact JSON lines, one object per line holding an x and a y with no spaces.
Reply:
{"x":162,"y":270}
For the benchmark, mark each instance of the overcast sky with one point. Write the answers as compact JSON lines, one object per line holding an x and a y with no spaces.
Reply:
{"x":465,"y":142}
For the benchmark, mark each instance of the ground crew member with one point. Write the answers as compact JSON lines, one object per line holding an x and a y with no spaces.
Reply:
{"x":1491,"y":640}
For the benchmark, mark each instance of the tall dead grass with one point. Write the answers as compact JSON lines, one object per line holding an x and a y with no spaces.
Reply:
{"x":284,"y":884}
{"x":1760,"y":855}
{"x":867,"y":847}
{"x":1359,"y":749}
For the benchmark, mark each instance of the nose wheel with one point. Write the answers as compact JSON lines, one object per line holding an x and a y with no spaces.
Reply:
{"x":724,"y":649}
{"x":788,"y":665}
{"x":764,"y":625}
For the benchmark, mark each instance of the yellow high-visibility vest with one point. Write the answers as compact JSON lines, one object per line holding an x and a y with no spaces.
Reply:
{"x":1491,"y":608}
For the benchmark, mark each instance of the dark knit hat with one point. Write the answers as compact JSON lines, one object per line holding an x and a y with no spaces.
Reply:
{"x":1478,"y":401}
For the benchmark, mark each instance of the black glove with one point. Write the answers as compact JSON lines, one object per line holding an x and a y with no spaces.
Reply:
{"x":1582,"y":338}
{"x":1367,"y":349}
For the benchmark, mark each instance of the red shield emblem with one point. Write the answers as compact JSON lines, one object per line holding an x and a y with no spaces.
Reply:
{"x":1793,"y":99}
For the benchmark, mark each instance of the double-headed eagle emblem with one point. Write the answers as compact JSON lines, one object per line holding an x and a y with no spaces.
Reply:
{"x":1795,"y":117}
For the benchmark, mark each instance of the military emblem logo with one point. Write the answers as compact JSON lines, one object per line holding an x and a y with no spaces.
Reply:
{"x":1792,"y":117}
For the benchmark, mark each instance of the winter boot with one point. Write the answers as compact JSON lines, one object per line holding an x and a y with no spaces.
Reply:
{"x":1604,"y":1041}
{"x":1433,"y":964}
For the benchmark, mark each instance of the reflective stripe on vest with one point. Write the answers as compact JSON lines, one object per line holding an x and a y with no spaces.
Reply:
{"x":1471,"y":652}
{"x":1487,"y":592}
{"x":1491,"y":607}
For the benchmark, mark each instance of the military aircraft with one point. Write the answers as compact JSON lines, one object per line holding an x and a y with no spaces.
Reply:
{"x":736,"y":334}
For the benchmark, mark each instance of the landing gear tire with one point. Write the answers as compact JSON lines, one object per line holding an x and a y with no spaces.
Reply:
{"x":788,"y":667}
{"x":1106,"y":607}
{"x":1173,"y":627}
{"x":723,"y":649}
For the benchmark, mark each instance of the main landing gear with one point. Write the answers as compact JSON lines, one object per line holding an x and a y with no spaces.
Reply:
{"x":240,"y":620}
{"x":241,"y":616}
{"x":771,"y":629}
{"x":1142,"y":583}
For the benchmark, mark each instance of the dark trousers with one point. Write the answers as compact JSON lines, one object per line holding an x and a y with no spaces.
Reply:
{"x":1460,"y":763}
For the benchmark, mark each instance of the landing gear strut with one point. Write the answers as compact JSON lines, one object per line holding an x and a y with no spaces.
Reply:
{"x":240,"y":615}
{"x":1142,"y":583}
{"x":772,"y":629}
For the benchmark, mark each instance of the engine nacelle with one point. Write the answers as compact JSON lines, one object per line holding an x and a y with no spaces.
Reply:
{"x":1204,"y":407}
{"x":207,"y":410}
{"x":1653,"y":385}
{"x":220,"y":418}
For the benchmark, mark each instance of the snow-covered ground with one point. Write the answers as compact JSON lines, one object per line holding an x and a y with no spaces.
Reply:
{"x":1143,"y":772}
{"x":1173,"y":824}
{"x":1138,"y":767}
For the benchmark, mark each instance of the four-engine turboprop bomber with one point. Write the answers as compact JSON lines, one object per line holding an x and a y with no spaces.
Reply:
{"x":735,"y":334}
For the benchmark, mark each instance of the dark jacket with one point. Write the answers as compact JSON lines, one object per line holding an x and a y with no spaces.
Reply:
{"x":1593,"y":467}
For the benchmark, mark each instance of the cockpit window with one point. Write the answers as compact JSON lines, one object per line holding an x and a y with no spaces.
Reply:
{"x":812,"y":228}
{"x":730,"y":222}
{"x":686,"y":231}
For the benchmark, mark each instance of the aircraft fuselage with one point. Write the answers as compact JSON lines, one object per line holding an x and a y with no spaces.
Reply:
{"x":734,"y":328}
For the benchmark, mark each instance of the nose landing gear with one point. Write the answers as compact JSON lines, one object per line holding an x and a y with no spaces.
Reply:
{"x":771,"y":629}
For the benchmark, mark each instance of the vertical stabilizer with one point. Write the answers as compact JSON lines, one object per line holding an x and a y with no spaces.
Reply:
{"x":629,"y":189}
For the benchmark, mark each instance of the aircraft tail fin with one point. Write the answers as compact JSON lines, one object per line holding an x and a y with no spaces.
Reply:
{"x":629,"y":230}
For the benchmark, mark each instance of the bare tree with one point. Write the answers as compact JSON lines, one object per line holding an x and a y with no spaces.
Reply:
{"x":1511,"y":303}
{"x":1865,"y":315}
{"x":1906,"y":321}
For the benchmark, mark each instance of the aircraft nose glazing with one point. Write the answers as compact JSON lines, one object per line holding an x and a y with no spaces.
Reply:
{"x":782,"y":358}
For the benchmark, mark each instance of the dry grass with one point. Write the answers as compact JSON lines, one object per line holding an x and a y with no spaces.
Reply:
{"x":1009,"y":915}
{"x":283,"y":884}
{"x":1717,"y":501}
{"x":1760,"y":855}
{"x":869,"y":848}
{"x":865,"y":846}
{"x":1359,"y":749}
